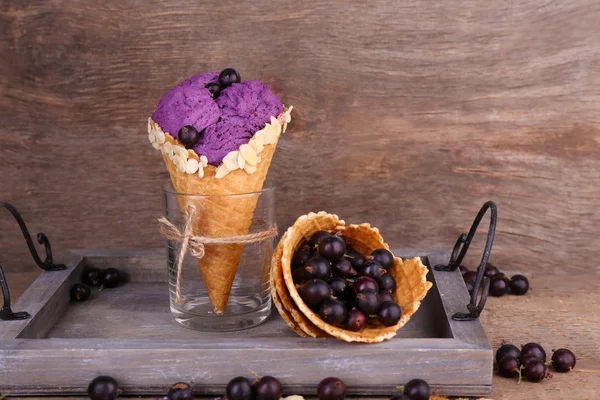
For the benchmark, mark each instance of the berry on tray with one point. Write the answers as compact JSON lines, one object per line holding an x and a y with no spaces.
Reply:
{"x":110,"y":278}
{"x":331,"y":389}
{"x":267,"y":388}
{"x":417,"y":389}
{"x":563,"y":360}
{"x":180,"y":391}
{"x":239,"y":388}
{"x":80,"y":292}
{"x":103,"y":388}
{"x":91,"y":276}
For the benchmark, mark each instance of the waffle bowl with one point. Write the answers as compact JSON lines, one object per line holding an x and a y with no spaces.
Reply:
{"x":410,"y":275}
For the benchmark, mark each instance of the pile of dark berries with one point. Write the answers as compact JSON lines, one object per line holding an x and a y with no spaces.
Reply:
{"x":342,"y":286}
{"x":265,"y":388}
{"x":530,"y":361}
{"x":188,"y":135}
{"x":108,"y":278}
{"x":500,"y":283}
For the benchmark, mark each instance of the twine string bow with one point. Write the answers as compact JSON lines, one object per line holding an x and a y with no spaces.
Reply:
{"x":195,"y":244}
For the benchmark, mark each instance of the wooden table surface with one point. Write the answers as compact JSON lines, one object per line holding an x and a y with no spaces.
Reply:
{"x":559,"y":311}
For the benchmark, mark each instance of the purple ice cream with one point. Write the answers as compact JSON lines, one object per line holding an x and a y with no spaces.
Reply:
{"x":228,"y":122}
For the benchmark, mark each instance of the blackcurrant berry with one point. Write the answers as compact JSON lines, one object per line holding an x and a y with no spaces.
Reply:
{"x":356,"y":321}
{"x":508,"y":366}
{"x":387,"y":282}
{"x":518,"y":285}
{"x":267,"y":388}
{"x":180,"y":391}
{"x":300,"y":276}
{"x":301,"y":256}
{"x":535,"y":371}
{"x":332,"y":247}
{"x":384,"y":257}
{"x":417,"y":389}
{"x":339,"y":287}
{"x":331,"y":389}
{"x":188,"y":136}
{"x":563,"y":360}
{"x":491,"y":271}
{"x":314,"y":292}
{"x":355,"y":258}
{"x":91,"y":276}
{"x":365,"y":283}
{"x":526,"y":359}
{"x":535,"y":350}
{"x":389,"y":313}
{"x":316,"y":238}
{"x":470,"y":286}
{"x":239,"y":388}
{"x":80,"y":292}
{"x":343,"y":268}
{"x":367,"y":302}
{"x":470,"y":276}
{"x":372,"y":269}
{"x":110,"y":278}
{"x":498,"y":287}
{"x":507,"y":350}
{"x":228,"y":77}
{"x":103,"y":388}
{"x":384,"y":296}
{"x":214,"y":88}
{"x":333,"y":312}
{"x":318,"y":267}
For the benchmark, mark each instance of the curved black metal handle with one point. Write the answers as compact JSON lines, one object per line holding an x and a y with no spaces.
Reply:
{"x":6,"y":313}
{"x":47,"y":264}
{"x":462,"y":246}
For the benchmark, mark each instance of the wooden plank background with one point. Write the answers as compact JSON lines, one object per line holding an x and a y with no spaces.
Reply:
{"x":408,"y":115}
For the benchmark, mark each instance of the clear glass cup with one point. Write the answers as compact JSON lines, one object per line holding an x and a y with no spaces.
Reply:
{"x":249,"y":302}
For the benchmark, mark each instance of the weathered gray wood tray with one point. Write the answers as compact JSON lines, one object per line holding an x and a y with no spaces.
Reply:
{"x":128,"y":333}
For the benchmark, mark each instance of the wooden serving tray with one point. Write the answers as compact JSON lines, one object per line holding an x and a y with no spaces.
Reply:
{"x":128,"y":333}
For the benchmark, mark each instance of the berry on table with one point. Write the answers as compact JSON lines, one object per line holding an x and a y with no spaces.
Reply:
{"x":417,"y":389}
{"x":508,"y":366}
{"x":563,"y":360}
{"x":535,"y":350}
{"x":470,"y":276}
{"x":518,"y":285}
{"x":526,"y":359}
{"x":507,"y":350}
{"x":267,"y":388}
{"x":180,"y":391}
{"x":91,"y":276}
{"x":110,"y":278}
{"x":331,"y":389}
{"x":239,"y":388}
{"x":498,"y":287}
{"x":103,"y":388}
{"x":535,"y":371}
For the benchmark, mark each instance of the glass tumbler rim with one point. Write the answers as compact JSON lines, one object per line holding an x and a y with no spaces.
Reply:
{"x":168,"y":188}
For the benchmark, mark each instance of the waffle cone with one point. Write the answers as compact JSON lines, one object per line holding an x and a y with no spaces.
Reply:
{"x":410,"y":275}
{"x":218,"y":215}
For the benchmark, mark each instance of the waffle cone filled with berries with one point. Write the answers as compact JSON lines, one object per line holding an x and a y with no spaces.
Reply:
{"x":296,"y":290}
{"x":217,"y":139}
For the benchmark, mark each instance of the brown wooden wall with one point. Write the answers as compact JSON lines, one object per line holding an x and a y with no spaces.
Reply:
{"x":408,"y":114}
